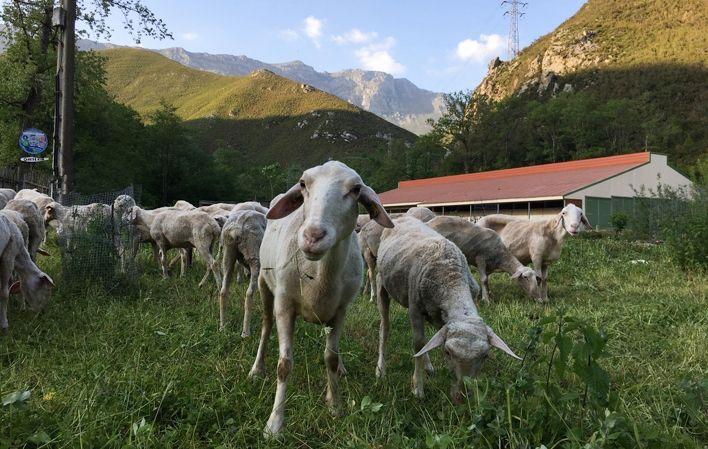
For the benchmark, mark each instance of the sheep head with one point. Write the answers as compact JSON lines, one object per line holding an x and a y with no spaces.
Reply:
{"x":571,"y":217}
{"x":528,"y":280}
{"x":466,"y":345}
{"x":329,"y":194}
{"x":36,"y":290}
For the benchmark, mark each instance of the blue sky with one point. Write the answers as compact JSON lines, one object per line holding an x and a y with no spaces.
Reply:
{"x":439,"y":45}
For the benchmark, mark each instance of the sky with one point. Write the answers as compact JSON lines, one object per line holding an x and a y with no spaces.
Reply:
{"x":442,"y":45}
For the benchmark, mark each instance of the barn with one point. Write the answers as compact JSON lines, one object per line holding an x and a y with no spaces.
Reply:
{"x":601,"y":186}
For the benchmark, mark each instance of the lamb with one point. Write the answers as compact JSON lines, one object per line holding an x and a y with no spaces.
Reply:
{"x":187,"y":229}
{"x":370,"y":236}
{"x":241,"y":239}
{"x":428,"y":274}
{"x":5,"y":196}
{"x":38,"y":198}
{"x":538,"y":242}
{"x":484,"y":249}
{"x":35,"y":285}
{"x":34,"y":221}
{"x":311,"y":266}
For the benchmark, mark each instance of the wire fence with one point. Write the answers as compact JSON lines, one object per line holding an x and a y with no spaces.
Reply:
{"x":95,"y":240}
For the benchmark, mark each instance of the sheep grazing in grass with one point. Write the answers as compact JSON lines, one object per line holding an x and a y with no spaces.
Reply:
{"x":241,"y":239}
{"x":38,"y":198}
{"x":484,"y":249}
{"x":428,"y":274}
{"x":370,"y":236}
{"x":187,"y":229}
{"x":35,"y":285}
{"x":35,"y":224}
{"x":67,"y":220}
{"x":538,"y":242}
{"x":311,"y":267}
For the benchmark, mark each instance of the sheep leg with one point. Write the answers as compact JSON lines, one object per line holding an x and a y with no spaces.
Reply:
{"x":155,"y":253}
{"x":367,"y":284}
{"x":383,"y":304}
{"x":5,"y":277}
{"x":333,"y":361}
{"x":239,"y":274}
{"x":418,"y":326}
{"x":248,"y":303}
{"x":285,"y":324}
{"x":484,"y":279}
{"x":258,"y":368}
{"x":544,"y":280}
{"x":163,"y":261}
{"x":227,"y":264}
{"x":371,"y":269}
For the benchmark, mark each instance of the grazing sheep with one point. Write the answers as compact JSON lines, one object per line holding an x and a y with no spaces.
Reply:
{"x":538,"y":242}
{"x":484,"y":249}
{"x":428,"y":274}
{"x":184,"y":205}
{"x":250,"y":205}
{"x":370,"y":236}
{"x":35,"y":224}
{"x":5,"y":196}
{"x":68,"y":219}
{"x":38,"y":198}
{"x":36,"y":286}
{"x":187,"y":229}
{"x":19,"y":221}
{"x":311,"y":266}
{"x":241,"y":239}
{"x":361,"y":220}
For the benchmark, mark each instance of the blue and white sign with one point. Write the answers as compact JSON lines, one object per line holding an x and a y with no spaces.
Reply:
{"x":33,"y":141}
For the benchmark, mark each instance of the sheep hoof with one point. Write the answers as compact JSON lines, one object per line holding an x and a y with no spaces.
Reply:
{"x":380,"y":372}
{"x":274,"y":429}
{"x":245,"y":334}
{"x":256,"y":372}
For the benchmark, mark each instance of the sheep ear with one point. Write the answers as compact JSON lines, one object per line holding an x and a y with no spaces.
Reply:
{"x":370,"y":200}
{"x":44,"y":277}
{"x":15,"y":287}
{"x":517,"y":273}
{"x":584,"y":220}
{"x":437,"y":340}
{"x":287,"y":203}
{"x":43,"y":252}
{"x":497,"y":342}
{"x":558,"y":219}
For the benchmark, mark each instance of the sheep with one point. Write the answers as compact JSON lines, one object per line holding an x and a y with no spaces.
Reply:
{"x":538,"y":242}
{"x":5,"y":196}
{"x":251,"y":205}
{"x":187,"y":229}
{"x":122,"y":206}
{"x":139,"y":221}
{"x":369,"y":238}
{"x":428,"y":274}
{"x":35,"y":285}
{"x":361,"y":220}
{"x":16,"y":218}
{"x":68,"y":219}
{"x":484,"y":249}
{"x":184,"y":205}
{"x":241,"y":239}
{"x":38,"y":198}
{"x":35,"y":224}
{"x":311,"y":266}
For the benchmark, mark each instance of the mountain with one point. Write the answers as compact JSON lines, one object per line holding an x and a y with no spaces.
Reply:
{"x":264,"y":115}
{"x":396,"y":99}
{"x":651,"y":55}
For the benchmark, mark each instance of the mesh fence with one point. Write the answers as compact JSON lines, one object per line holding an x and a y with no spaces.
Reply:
{"x":95,"y":240}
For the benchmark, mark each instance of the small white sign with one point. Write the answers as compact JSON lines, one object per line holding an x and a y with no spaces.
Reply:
{"x":33,"y":159}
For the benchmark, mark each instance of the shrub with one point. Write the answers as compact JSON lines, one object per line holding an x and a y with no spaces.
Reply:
{"x":619,"y":221}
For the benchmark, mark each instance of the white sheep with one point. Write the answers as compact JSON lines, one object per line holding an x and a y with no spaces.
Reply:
{"x":370,"y":235}
{"x":184,"y":205}
{"x":250,"y":205}
{"x":187,"y":229}
{"x":38,"y":198}
{"x":36,"y":286}
{"x":69,"y":219}
{"x":241,"y":239}
{"x":484,"y":249}
{"x":428,"y":274}
{"x":5,"y":196}
{"x":35,"y":224}
{"x":538,"y":242}
{"x":311,"y":267}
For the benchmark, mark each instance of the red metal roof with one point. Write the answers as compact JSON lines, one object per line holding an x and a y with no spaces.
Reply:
{"x":537,"y":181}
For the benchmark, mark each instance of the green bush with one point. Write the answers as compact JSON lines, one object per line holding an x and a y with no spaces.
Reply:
{"x":619,"y":221}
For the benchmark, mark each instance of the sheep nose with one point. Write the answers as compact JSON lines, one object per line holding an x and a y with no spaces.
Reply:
{"x":314,"y":234}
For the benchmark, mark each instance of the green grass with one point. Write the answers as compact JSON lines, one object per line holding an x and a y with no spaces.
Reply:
{"x":97,"y":364}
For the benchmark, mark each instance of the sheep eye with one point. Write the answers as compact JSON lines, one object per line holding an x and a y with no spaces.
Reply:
{"x":302,"y":184}
{"x":356,"y":190}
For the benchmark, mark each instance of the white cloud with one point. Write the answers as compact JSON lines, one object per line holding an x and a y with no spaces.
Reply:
{"x":376,"y":56}
{"x":355,"y":36}
{"x":488,"y":46}
{"x":289,"y":35}
{"x":312,"y":27}
{"x":190,"y":36}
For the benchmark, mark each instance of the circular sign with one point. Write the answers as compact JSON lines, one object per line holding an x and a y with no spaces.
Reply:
{"x":33,"y":141}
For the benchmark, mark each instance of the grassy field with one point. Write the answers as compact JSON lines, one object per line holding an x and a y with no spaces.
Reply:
{"x":148,"y":368}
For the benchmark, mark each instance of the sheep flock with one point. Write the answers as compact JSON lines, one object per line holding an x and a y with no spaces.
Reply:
{"x":308,"y":255}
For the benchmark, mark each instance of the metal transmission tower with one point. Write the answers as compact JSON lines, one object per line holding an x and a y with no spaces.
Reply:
{"x":514,"y":12}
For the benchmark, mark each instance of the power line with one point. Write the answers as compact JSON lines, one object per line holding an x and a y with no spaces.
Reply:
{"x":514,"y":12}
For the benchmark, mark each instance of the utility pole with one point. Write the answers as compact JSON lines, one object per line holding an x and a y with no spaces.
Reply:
{"x":64,"y":19}
{"x":514,"y":12}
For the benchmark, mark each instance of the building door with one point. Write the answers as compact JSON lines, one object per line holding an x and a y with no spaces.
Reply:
{"x":598,"y":211}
